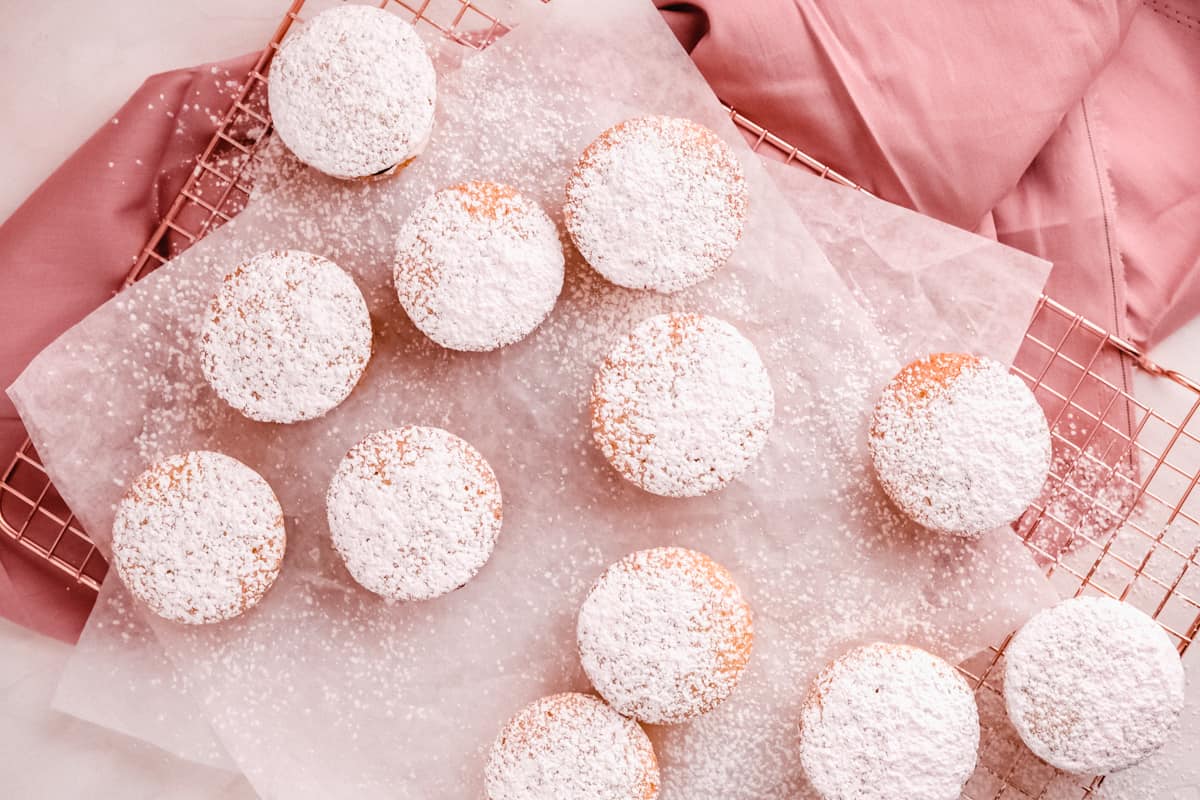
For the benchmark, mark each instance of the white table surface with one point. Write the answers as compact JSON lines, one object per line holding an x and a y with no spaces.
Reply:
{"x":65,"y":65}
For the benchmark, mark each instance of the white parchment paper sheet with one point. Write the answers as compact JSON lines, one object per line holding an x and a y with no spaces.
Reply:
{"x":926,"y":285}
{"x":325,"y":689}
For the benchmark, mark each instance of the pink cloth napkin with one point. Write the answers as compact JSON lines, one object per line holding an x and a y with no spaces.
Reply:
{"x":1068,"y":130}
{"x":68,"y":248}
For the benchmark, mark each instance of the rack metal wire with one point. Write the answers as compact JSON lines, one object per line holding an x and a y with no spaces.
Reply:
{"x":1119,"y":516}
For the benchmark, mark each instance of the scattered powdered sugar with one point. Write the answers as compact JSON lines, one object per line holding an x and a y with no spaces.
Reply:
{"x":571,"y":747}
{"x":478,"y":266}
{"x":287,"y":338}
{"x":665,"y":634}
{"x":656,"y":203}
{"x":1093,"y":685}
{"x":352,"y":91}
{"x":1090,"y":494}
{"x":199,"y":537}
{"x":959,"y":443}
{"x":384,"y":700}
{"x":414,"y":512}
{"x":682,"y":405}
{"x":889,"y":721}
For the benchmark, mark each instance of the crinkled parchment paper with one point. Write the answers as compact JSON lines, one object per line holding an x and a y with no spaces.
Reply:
{"x":926,"y":285}
{"x":325,"y":690}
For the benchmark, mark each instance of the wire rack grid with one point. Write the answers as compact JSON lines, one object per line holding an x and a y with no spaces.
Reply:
{"x":1119,"y":515}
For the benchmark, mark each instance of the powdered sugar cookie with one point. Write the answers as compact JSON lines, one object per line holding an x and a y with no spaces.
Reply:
{"x":571,"y":747}
{"x":959,"y":443}
{"x":414,"y":512}
{"x":198,"y":537}
{"x":1093,"y":685}
{"x":352,"y":91}
{"x":888,"y":721}
{"x":656,"y":203}
{"x":682,"y":405}
{"x":287,"y":337}
{"x":478,"y":266}
{"x":665,"y":635}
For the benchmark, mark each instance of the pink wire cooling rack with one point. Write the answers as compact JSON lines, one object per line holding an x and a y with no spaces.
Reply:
{"x":1118,"y":516}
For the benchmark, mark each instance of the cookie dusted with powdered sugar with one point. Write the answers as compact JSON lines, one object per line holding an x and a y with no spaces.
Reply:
{"x":656,"y":203}
{"x":682,"y":405}
{"x":1093,"y":685}
{"x":286,"y":338}
{"x":198,"y":538}
{"x":887,"y":721}
{"x":959,"y":443}
{"x":571,"y":747}
{"x":665,"y":635}
{"x":414,"y":512}
{"x":352,"y":91}
{"x":478,"y":266}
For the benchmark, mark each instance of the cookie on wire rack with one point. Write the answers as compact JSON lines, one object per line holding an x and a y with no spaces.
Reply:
{"x":199,"y":538}
{"x":414,"y":512}
{"x":959,"y":443}
{"x":665,"y":635}
{"x":352,"y":91}
{"x":682,"y":405}
{"x":478,"y":266}
{"x":888,"y":721}
{"x":1093,"y":685}
{"x":571,"y":747}
{"x":287,"y":337}
{"x":656,"y":203}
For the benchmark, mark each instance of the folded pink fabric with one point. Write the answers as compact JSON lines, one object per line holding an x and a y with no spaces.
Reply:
{"x":1066,"y":129}
{"x":68,"y":248}
{"x":1146,"y":108}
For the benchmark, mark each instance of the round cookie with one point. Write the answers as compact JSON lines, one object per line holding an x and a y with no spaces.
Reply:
{"x":478,"y":266}
{"x":1093,"y":685}
{"x":198,"y":538}
{"x":665,"y":635}
{"x":352,"y":91}
{"x":414,"y":512}
{"x":571,"y":747}
{"x":887,"y":721}
{"x":682,"y":405}
{"x":656,"y":203}
{"x":287,"y":337}
{"x":959,"y":443}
